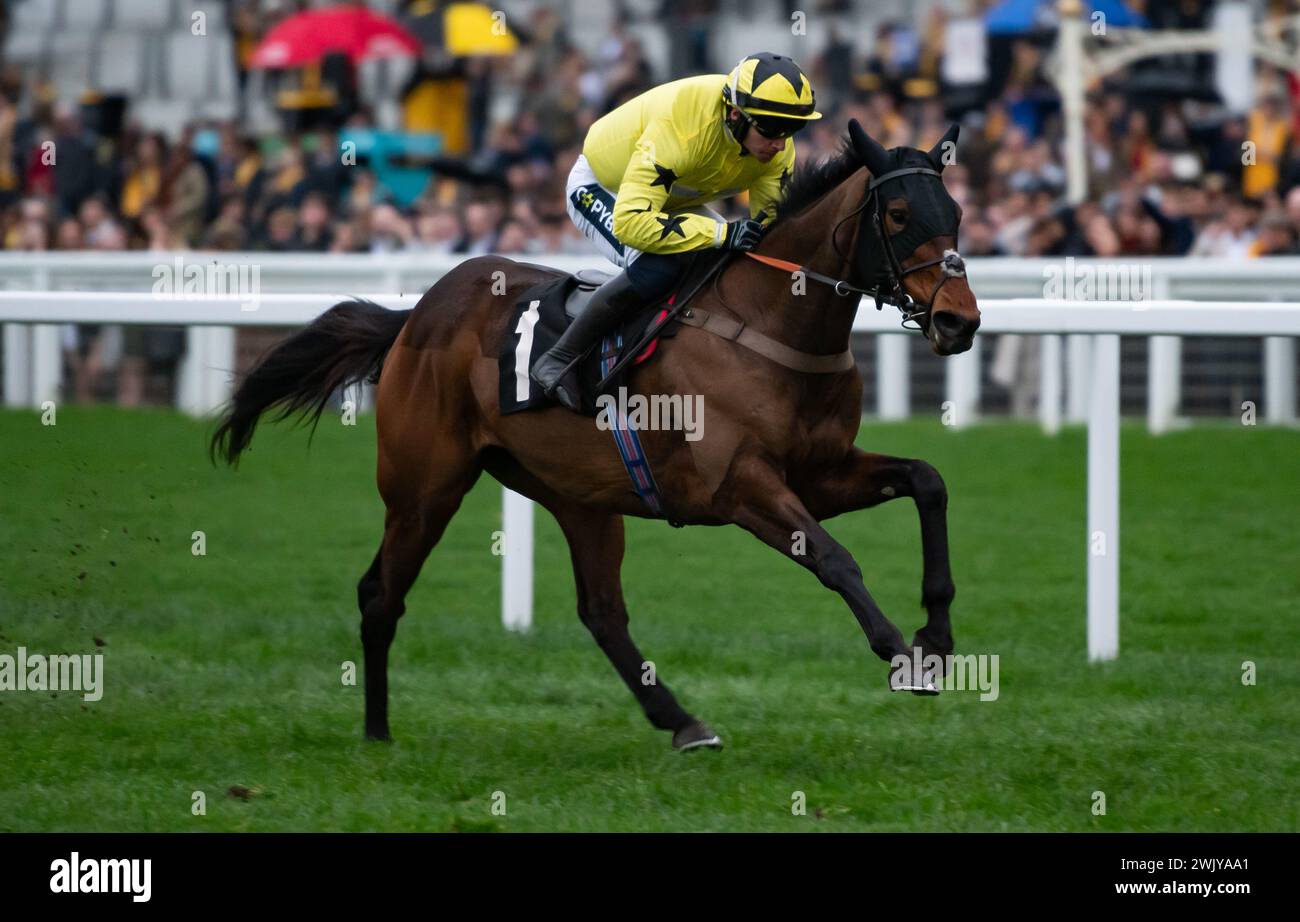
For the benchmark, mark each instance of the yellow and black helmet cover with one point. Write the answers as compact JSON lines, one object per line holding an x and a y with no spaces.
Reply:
{"x":772,"y":85}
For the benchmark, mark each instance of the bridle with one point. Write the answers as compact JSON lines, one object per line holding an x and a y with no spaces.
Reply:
{"x":953,"y":266}
{"x":892,"y":291}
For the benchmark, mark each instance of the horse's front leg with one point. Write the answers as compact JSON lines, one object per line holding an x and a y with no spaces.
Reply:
{"x":758,"y":500}
{"x":863,"y":480}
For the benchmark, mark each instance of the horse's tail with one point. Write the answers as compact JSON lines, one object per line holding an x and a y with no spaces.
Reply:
{"x":342,"y":346}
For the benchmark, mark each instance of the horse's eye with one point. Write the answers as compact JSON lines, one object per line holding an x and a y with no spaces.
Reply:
{"x":900,"y":217}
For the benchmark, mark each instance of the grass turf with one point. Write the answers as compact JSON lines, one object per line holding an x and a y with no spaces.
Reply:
{"x":224,"y":670}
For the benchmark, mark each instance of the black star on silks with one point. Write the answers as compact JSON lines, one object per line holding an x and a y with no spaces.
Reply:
{"x":784,"y":180}
{"x":672,"y":225}
{"x":666,"y":177}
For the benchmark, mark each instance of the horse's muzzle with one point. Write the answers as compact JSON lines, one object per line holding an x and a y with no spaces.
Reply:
{"x":951,"y":333}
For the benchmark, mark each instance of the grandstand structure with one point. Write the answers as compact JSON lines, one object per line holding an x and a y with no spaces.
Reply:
{"x":142,"y":49}
{"x":146,"y":50}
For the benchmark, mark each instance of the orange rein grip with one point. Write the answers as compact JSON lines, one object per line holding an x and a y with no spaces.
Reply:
{"x":773,"y":261}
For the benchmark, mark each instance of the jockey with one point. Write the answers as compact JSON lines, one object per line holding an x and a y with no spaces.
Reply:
{"x":646,"y":171}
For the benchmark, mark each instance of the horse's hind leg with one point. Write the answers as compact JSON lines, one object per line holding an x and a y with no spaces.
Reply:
{"x":369,"y":585}
{"x":427,"y":464}
{"x":596,"y":545}
{"x":410,"y":532}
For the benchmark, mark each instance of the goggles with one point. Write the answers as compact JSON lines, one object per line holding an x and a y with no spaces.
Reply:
{"x":771,"y":126}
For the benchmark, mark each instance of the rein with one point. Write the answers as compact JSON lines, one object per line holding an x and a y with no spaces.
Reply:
{"x":737,"y":331}
{"x":953,"y":265}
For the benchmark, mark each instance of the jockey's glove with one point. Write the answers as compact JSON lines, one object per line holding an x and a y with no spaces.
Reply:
{"x":743,"y":235}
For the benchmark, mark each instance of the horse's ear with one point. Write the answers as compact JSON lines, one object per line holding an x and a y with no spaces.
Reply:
{"x":942,"y":153}
{"x":874,"y":157}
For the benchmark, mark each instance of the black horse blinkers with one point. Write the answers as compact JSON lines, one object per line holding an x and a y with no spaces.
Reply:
{"x":932,"y":214}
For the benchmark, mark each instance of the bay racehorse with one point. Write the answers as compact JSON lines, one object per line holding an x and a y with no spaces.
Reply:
{"x":777,"y":457}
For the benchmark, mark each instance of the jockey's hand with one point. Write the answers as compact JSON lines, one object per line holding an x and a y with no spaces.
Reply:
{"x":744,"y":234}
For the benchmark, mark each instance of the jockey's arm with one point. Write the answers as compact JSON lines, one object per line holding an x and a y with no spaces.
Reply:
{"x":639,"y":217}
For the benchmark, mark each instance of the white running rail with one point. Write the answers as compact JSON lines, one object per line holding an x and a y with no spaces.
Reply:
{"x":1098,"y":324}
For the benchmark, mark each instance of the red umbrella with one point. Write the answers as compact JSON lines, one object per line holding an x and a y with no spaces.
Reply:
{"x":307,"y":37}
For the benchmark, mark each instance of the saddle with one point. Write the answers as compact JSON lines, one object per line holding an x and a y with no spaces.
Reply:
{"x":542,"y":315}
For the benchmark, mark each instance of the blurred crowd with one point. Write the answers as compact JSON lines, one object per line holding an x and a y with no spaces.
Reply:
{"x":1166,"y":175}
{"x":1169,"y":173}
{"x":217,"y":187}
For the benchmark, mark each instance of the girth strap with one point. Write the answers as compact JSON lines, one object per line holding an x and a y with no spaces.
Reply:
{"x":629,"y":443}
{"x":737,"y":332}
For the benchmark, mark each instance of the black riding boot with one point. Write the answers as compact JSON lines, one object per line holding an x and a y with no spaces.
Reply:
{"x":556,"y":371}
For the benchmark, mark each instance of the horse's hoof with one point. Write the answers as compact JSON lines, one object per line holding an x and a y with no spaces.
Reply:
{"x":696,"y":736}
{"x":917,"y":685}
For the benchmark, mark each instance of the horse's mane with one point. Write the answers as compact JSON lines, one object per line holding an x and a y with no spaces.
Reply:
{"x":811,"y":182}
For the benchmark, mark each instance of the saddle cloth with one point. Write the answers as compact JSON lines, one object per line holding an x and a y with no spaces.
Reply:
{"x":541,"y":316}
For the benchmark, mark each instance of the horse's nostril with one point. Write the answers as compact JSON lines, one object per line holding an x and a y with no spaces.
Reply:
{"x":950,"y":324}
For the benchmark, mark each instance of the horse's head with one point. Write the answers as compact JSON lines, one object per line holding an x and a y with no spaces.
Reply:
{"x":907,"y":243}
